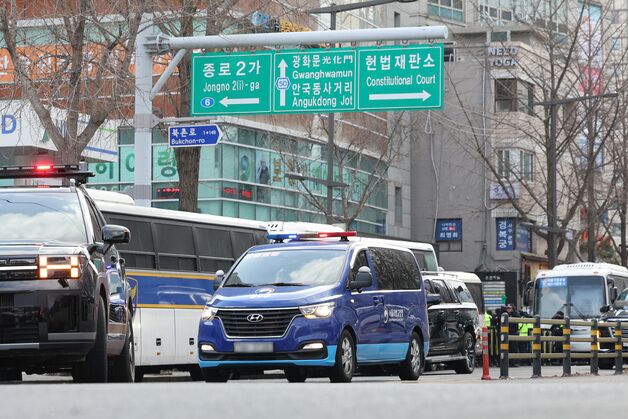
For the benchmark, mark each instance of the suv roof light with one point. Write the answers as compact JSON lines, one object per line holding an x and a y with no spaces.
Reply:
{"x":40,"y":171}
{"x":280,"y":237}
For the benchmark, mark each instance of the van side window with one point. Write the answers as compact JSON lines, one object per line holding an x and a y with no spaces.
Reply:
{"x":441,"y":289}
{"x":395,"y":269}
{"x":383,"y":269}
{"x":360,"y":260}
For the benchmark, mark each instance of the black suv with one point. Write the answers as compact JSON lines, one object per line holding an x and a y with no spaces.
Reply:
{"x":64,"y":299}
{"x":454,"y":320}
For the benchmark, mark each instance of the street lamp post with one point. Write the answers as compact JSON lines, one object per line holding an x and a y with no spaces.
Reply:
{"x":333,"y":9}
{"x":552,"y":216}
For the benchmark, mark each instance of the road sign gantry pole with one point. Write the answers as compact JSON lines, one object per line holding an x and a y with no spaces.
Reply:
{"x":148,"y":45}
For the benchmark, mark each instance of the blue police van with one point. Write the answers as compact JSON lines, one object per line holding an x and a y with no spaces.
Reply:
{"x":317,"y":305}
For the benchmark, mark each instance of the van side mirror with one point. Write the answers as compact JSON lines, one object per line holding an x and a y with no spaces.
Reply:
{"x":220,"y":275}
{"x":363,"y":279}
{"x":115,"y":234}
{"x":433,"y":299}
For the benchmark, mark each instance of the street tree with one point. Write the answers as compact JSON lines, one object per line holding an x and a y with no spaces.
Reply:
{"x":566,"y":120}
{"x":73,"y":67}
{"x":366,"y":147}
{"x":200,"y":17}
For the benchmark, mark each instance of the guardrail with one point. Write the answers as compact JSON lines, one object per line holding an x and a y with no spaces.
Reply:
{"x":537,"y":339}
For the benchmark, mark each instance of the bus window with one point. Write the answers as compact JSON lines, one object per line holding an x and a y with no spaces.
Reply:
{"x":214,"y":243}
{"x":140,"y":252}
{"x":175,"y":247}
{"x":242,"y":242}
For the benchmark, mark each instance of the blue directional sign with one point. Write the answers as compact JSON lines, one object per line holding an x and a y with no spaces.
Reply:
{"x":194,"y":135}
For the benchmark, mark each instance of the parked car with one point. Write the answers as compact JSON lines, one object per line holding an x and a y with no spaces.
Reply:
{"x":454,"y":323}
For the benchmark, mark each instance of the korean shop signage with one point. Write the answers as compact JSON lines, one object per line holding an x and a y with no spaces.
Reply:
{"x":318,"y":80}
{"x":448,"y":229}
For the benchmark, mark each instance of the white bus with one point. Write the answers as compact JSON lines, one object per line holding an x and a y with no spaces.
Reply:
{"x":171,"y":263}
{"x":581,"y":291}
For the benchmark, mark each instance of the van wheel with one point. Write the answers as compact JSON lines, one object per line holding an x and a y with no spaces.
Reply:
{"x":467,"y":365}
{"x":296,"y":375}
{"x":216,"y":375}
{"x":410,"y":368}
{"x":195,"y":373}
{"x":94,"y":369}
{"x":123,"y":368}
{"x":342,"y":371}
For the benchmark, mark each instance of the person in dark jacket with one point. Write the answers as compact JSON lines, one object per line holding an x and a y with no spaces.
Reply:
{"x":513,"y":330}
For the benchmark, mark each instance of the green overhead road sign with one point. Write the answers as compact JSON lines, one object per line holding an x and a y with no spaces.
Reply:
{"x":225,"y":84}
{"x":318,"y":80}
{"x":400,"y":78}
{"x":315,"y":81}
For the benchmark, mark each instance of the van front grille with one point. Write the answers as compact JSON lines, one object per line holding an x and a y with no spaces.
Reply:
{"x":273,"y":323}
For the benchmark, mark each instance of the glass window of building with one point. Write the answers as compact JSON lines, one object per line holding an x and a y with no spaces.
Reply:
{"x":446,"y":9}
{"x":526,"y":160}
{"x":503,"y":163}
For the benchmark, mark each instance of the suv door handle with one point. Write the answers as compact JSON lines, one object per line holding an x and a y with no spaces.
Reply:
{"x":378,"y":300}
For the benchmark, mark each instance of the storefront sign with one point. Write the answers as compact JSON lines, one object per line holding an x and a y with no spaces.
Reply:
{"x":502,"y":56}
{"x":505,"y":228}
{"x":448,"y":229}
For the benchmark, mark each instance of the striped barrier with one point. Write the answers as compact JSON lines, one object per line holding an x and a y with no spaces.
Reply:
{"x":558,"y":346}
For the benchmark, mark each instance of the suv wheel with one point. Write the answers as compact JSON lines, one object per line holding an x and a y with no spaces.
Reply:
{"x":295,"y":374}
{"x":94,"y":369}
{"x":467,"y":365}
{"x":410,"y":368}
{"x":342,"y":371}
{"x":123,"y":369}
{"x":216,"y":375}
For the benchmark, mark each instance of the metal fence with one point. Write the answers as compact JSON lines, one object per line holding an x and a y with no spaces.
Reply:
{"x":546,"y":346}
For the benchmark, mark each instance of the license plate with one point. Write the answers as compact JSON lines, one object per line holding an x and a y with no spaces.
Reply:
{"x":253,"y":347}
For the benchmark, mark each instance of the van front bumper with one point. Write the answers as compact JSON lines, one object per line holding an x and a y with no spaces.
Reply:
{"x":287,"y":350}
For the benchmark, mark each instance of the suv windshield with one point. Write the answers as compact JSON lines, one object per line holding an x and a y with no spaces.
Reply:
{"x":577,"y":296}
{"x":49,"y":216}
{"x":288,"y":268}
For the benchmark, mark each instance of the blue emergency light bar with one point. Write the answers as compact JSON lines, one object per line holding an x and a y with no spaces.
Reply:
{"x":280,"y":237}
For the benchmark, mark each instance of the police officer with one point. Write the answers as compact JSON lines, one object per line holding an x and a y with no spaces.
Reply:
{"x":524,"y":330}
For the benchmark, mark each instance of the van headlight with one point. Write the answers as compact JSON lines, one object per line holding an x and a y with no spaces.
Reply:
{"x":318,"y":311}
{"x":208,"y":313}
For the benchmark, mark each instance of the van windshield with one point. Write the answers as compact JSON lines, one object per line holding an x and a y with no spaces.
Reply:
{"x":288,"y":268}
{"x":576,"y":296}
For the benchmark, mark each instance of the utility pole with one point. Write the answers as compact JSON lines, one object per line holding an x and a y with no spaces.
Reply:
{"x":552,"y":165}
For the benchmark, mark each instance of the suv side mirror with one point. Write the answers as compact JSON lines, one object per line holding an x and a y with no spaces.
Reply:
{"x":433,"y":299}
{"x":220,"y":275}
{"x":115,"y":234}
{"x":363,"y":279}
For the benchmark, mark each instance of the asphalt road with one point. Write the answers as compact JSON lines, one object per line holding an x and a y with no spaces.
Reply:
{"x":440,"y":394}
